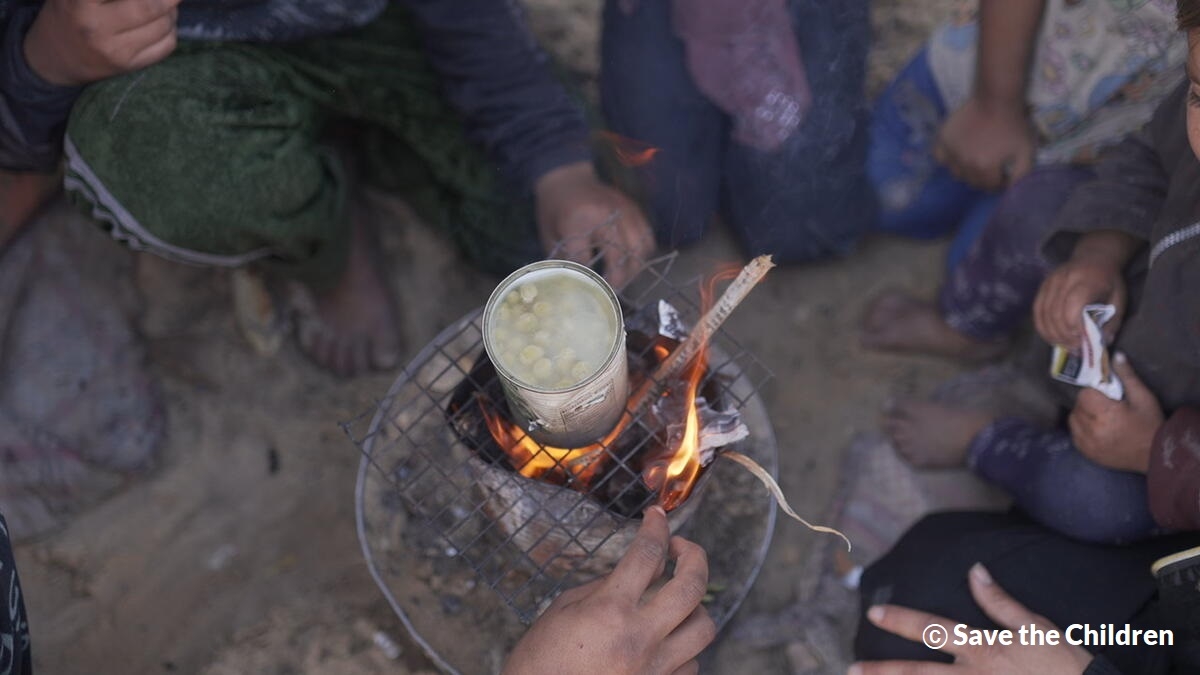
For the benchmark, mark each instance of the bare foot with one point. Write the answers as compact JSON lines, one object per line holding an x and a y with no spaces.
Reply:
{"x":352,"y":327}
{"x":933,"y":435}
{"x":898,"y":322}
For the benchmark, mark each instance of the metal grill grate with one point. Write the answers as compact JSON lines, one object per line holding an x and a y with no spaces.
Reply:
{"x":526,"y":539}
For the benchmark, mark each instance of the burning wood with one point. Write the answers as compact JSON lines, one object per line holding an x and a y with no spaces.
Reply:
{"x":673,"y":478}
{"x":693,"y":418}
{"x":702,"y":333}
{"x":673,"y":426}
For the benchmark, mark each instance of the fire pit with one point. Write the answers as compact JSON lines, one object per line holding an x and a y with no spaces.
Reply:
{"x":468,"y":550}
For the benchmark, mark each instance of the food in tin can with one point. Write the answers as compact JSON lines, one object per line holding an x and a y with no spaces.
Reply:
{"x":553,"y":330}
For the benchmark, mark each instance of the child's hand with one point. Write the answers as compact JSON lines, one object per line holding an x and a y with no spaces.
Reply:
{"x":975,"y":659}
{"x":74,"y":42}
{"x":1094,"y":274}
{"x":617,"y":624}
{"x":1117,"y":434}
{"x":987,"y":146}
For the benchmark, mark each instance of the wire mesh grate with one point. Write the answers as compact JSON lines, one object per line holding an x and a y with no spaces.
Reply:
{"x":525,"y":538}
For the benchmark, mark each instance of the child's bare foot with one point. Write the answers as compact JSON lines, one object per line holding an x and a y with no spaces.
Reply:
{"x":898,"y":322}
{"x":352,"y":327}
{"x":933,"y":435}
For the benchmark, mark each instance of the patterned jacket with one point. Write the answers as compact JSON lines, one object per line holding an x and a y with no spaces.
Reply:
{"x":1149,"y":187}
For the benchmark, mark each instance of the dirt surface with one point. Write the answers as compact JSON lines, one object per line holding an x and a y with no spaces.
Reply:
{"x":238,"y":553}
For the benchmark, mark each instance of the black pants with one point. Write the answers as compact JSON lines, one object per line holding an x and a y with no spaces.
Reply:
{"x":808,"y":199}
{"x":1066,"y":581}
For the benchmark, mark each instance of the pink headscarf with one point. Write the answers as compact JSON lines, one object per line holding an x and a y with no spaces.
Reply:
{"x":743,"y":56}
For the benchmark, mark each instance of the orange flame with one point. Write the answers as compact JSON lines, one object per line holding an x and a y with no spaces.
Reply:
{"x":630,"y":152}
{"x":675,"y":484}
{"x":534,"y":460}
{"x":672,"y":474}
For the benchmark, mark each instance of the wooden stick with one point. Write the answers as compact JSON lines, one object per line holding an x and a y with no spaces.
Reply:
{"x":668,"y":371}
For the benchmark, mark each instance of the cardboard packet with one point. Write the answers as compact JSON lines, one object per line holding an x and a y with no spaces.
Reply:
{"x":1091,"y":367}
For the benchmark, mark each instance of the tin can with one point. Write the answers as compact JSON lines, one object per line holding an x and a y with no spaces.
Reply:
{"x":573,"y":412}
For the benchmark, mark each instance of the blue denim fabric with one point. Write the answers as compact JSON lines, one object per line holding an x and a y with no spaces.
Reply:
{"x":1053,"y":482}
{"x":808,"y":199}
{"x":918,"y":197}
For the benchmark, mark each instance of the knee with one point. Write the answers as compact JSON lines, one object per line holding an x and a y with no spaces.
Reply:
{"x":679,"y":195}
{"x":1105,"y":526}
{"x":800,"y":223}
{"x":909,"y":574}
{"x":642,"y":61}
{"x":806,"y":201}
{"x":800,"y":241}
{"x":1097,"y":505}
{"x":1027,"y":208}
{"x":680,"y":218}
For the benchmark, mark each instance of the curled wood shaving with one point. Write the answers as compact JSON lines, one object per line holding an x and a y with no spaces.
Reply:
{"x":762,"y":474}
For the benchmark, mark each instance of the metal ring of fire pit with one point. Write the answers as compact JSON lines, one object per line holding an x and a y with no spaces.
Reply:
{"x":460,"y":611}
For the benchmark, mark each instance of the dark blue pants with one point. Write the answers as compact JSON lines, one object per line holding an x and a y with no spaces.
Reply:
{"x":988,"y":295}
{"x":806,"y":200}
{"x":918,"y":197}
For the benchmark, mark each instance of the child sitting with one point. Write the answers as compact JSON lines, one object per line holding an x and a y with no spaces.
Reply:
{"x":1127,"y":235}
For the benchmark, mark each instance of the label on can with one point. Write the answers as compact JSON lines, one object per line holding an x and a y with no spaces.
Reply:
{"x":555,"y":333}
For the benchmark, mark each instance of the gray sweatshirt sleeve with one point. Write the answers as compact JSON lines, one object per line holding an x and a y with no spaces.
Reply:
{"x":33,"y":113}
{"x":495,"y":74}
{"x":1131,"y":183}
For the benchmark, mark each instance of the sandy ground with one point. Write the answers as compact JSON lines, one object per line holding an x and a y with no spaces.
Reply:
{"x":238,"y":553}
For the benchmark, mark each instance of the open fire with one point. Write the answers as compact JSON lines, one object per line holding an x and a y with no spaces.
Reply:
{"x":441,"y":489}
{"x":669,"y":469}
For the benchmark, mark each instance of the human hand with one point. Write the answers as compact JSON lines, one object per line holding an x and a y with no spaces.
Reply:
{"x":74,"y":42}
{"x":987,"y":145}
{"x":1117,"y":434}
{"x":572,"y":208}
{"x":1085,"y":279}
{"x":616,"y":624}
{"x":997,"y":659}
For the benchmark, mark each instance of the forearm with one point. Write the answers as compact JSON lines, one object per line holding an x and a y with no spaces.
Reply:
{"x":1111,"y":248}
{"x":1007,"y":40}
{"x":33,"y":112}
{"x":1127,"y":194}
{"x":495,"y":74}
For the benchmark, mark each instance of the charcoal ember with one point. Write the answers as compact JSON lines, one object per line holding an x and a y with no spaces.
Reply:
{"x":617,"y":487}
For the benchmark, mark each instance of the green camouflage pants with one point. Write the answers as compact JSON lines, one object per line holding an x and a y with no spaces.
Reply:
{"x":220,"y":154}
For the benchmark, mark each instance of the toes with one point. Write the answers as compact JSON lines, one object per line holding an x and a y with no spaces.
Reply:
{"x":326,"y":352}
{"x":880,"y":326}
{"x":359,"y":355}
{"x":349,"y":349}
